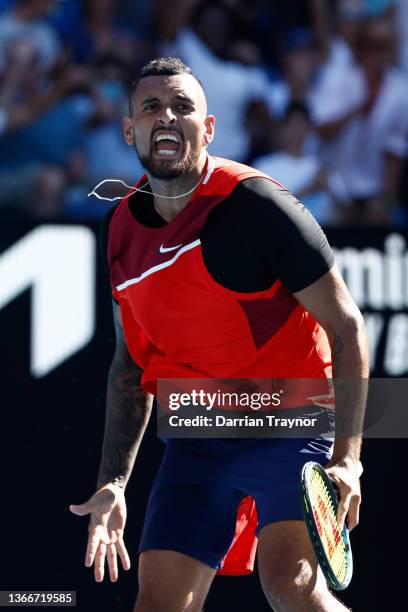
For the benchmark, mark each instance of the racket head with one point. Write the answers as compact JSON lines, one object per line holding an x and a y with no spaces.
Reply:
{"x":335,"y":559}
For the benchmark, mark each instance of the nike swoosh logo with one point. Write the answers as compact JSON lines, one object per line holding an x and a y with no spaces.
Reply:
{"x":164,"y":249}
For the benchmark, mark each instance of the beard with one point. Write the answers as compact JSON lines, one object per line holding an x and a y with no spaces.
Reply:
{"x":167,"y":169}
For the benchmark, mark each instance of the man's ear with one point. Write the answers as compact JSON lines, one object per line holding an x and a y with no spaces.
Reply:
{"x":128,"y":133}
{"x":209,"y":123}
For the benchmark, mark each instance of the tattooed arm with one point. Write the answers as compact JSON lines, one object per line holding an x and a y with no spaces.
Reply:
{"x":330,"y":303}
{"x":127,"y":415}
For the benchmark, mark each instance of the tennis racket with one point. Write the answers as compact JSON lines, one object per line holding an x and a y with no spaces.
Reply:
{"x":331,"y":545}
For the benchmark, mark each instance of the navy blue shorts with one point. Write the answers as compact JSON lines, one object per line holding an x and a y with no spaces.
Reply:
{"x":193,"y":503}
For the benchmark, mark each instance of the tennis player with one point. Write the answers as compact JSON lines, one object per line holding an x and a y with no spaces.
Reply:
{"x":217,"y":271}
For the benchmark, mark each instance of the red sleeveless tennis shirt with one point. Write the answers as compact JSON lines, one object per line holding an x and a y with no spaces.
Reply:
{"x":180,"y":323}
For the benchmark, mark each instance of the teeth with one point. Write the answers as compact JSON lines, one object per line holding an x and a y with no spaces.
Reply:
{"x":167,"y":152}
{"x":166,"y":137}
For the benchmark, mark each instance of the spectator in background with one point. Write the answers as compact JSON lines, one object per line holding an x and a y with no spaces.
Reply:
{"x":41,"y":116}
{"x":108,"y":34}
{"x":201,"y":35}
{"x":67,"y":19}
{"x":355,"y":97}
{"x":106,"y":155}
{"x":43,"y":119}
{"x":28,"y":48}
{"x":365,"y":125}
{"x":300,"y":61}
{"x":261,"y":132}
{"x":337,"y":26}
{"x":97,"y":27}
{"x":104,"y":146}
{"x":264,"y":22}
{"x":139,"y":15}
{"x":26,"y":184}
{"x":26,"y":21}
{"x":300,"y":172}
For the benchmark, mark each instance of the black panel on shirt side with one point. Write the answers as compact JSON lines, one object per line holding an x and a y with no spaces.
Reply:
{"x":141,"y":208}
{"x":260,"y":233}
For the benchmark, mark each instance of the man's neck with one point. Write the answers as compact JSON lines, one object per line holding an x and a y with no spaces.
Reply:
{"x":169,"y":206}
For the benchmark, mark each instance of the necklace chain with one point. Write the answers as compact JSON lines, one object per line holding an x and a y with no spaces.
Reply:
{"x":136,"y":189}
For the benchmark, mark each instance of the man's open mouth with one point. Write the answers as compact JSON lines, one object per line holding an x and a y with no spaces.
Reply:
{"x":167,"y":144}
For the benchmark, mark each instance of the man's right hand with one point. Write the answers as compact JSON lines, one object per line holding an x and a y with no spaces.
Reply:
{"x":107,"y":508}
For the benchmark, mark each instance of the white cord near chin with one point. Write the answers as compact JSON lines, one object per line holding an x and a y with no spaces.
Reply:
{"x":203,"y":178}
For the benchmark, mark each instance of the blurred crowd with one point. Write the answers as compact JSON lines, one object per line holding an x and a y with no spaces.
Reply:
{"x":312,"y":92}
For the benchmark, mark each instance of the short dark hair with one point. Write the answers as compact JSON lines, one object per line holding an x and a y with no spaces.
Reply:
{"x":161,"y":66}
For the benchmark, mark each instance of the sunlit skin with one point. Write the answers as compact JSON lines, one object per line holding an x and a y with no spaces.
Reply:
{"x":170,"y":106}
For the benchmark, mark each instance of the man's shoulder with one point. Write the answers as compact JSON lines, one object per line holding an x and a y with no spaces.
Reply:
{"x":262,"y":190}
{"x":269,"y":206}
{"x":260,"y":200}
{"x":227,"y":172}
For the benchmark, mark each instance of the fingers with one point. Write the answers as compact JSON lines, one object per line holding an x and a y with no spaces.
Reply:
{"x":99,"y":569}
{"x":112,"y":562}
{"x":109,"y":552}
{"x":93,"y":542}
{"x":346,"y":480}
{"x":113,"y":536}
{"x":97,"y":535}
{"x":349,"y":507}
{"x":343,"y":508}
{"x":108,"y":547}
{"x":353,"y":516}
{"x":123,"y":553}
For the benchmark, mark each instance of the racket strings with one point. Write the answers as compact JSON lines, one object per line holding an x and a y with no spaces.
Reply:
{"x":324,"y":512}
